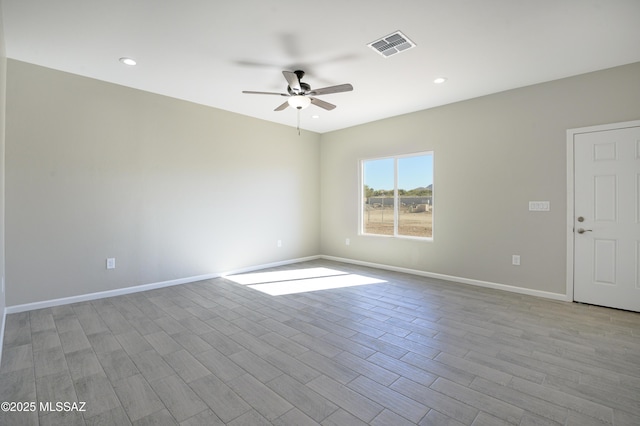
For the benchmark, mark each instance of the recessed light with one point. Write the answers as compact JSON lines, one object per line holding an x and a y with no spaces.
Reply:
{"x":315,"y":116}
{"x":128,"y":61}
{"x":439,"y":80}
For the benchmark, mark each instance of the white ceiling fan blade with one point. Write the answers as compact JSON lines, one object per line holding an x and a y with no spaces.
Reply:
{"x":263,"y":93}
{"x":332,"y":89}
{"x":293,"y":81}
{"x":282,"y":107}
{"x":322,"y":104}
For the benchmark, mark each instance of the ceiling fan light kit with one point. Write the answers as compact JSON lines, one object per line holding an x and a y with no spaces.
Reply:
{"x":299,"y":101}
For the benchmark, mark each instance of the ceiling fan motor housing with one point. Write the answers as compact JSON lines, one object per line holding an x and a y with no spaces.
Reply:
{"x":304,"y":86}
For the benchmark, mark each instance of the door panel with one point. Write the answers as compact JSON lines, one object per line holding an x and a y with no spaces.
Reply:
{"x":604,"y":261}
{"x":607,"y":202}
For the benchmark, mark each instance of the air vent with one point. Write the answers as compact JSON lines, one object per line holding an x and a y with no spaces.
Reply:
{"x":392,"y":44}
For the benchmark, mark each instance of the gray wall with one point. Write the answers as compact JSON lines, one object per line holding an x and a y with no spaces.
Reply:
{"x":491,"y":156}
{"x":96,"y":170}
{"x":3,"y":97}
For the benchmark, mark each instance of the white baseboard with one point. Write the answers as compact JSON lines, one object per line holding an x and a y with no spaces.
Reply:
{"x":487,"y":284}
{"x":144,"y":287}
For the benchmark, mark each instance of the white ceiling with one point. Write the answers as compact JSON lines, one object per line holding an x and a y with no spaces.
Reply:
{"x":208,"y":51}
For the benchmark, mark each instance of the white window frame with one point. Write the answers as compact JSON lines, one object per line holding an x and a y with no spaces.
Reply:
{"x":362,"y":196}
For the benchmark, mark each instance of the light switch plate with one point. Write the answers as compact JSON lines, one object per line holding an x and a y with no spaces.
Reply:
{"x":539,"y":206}
{"x":111,"y":263}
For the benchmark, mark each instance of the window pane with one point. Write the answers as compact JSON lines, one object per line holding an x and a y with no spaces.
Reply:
{"x":415,"y":196}
{"x":378,"y":210}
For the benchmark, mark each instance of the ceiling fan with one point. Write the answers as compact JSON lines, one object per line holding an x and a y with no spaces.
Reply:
{"x":301,"y":95}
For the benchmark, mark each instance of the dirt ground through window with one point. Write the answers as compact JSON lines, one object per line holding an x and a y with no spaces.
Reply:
{"x":380,"y":221}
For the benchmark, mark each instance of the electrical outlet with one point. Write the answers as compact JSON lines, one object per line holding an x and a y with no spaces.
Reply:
{"x":111,"y":263}
{"x":279,"y":243}
{"x":515,"y":260}
{"x":347,"y":241}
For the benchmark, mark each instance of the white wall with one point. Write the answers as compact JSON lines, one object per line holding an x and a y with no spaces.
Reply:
{"x":169,"y":188}
{"x":492,"y":155}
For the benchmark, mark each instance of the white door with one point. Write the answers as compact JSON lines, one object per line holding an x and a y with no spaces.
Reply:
{"x":607,"y":218}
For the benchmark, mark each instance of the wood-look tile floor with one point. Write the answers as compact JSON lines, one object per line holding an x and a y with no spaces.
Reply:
{"x":410,"y":350}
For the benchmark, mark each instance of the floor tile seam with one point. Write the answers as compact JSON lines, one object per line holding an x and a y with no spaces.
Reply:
{"x":329,"y":359}
{"x":449,"y":368}
{"x":35,"y":379}
{"x":512,"y":366}
{"x":85,"y":418}
{"x":188,"y":386}
{"x":447,"y":349}
{"x":606,"y":372}
{"x":75,"y":389}
{"x":251,"y":407}
{"x":383,"y":405}
{"x":325,"y":341}
{"x":382,"y":349}
{"x":226,"y":385}
{"x":443,"y":395}
{"x":373,"y":365}
{"x":632,"y":415}
{"x":533,"y":397}
{"x":122,"y":405}
{"x":513,"y":343}
{"x":542,"y":369}
{"x":623,"y":367}
{"x":319,"y":373}
{"x":613,"y":404}
{"x":574,"y":398}
{"x":310,"y":390}
{"x":478,"y":406}
{"x":546,"y":341}
{"x":362,"y":396}
{"x":469,"y":327}
{"x":45,"y":350}
{"x":409,"y":366}
{"x":626,"y":349}
{"x":389,"y":327}
{"x":411,"y":346}
{"x":278,"y":332}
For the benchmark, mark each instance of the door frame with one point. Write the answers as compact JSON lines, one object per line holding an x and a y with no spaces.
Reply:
{"x":571,"y":134}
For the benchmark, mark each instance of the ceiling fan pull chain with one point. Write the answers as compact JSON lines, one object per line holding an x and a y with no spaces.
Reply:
{"x":298,"y":122}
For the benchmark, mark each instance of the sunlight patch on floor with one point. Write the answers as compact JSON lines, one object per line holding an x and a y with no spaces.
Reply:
{"x":285,"y":275}
{"x":278,"y":283}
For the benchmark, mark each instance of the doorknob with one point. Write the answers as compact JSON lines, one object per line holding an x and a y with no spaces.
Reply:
{"x":582,"y":230}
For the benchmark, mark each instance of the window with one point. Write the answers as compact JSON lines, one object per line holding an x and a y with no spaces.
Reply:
{"x":397,"y":196}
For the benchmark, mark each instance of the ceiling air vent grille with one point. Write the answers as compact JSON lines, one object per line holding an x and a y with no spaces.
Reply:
{"x":392,"y":44}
